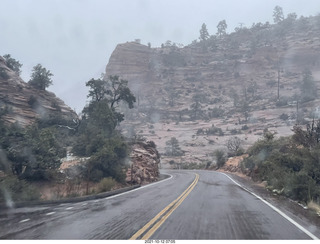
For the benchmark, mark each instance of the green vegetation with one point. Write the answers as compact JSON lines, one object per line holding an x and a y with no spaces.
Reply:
{"x":193,"y":165}
{"x":290,"y":165}
{"x":222,"y":28}
{"x":13,"y":189}
{"x":29,"y":155}
{"x":278,"y":14}
{"x":12,"y":63}
{"x":97,"y":137}
{"x":213,"y":130}
{"x":106,"y":184}
{"x":40,"y":77}
{"x":32,"y":154}
{"x":204,"y":34}
{"x":220,"y":158}
{"x":174,"y":58}
{"x":3,"y":73}
{"x":172,"y":148}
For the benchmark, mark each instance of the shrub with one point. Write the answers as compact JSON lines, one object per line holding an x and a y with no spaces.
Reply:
{"x":56,"y":106}
{"x":106,"y":184}
{"x":244,"y":127}
{"x":108,"y":161}
{"x":194,"y":165}
{"x":215,"y":131}
{"x":32,"y":101}
{"x":287,"y":166}
{"x":12,"y":189}
{"x":172,"y":162}
{"x":174,"y":59}
{"x":200,"y":131}
{"x":233,"y":131}
{"x":3,"y":73}
{"x":216,"y":112}
{"x":221,"y":160}
{"x":284,"y":117}
{"x":302,"y":187}
{"x":233,"y":144}
{"x":282,"y":102}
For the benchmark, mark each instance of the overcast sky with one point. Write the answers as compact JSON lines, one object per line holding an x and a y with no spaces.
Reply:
{"x":75,"y":38}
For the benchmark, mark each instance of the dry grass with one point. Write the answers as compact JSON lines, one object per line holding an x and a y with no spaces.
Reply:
{"x":314,"y":206}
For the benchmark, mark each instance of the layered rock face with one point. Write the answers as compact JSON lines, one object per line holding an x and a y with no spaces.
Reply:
{"x":229,"y":83}
{"x":24,"y":104}
{"x":144,"y":161}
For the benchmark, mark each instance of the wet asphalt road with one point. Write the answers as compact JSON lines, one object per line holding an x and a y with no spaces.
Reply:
{"x":214,"y":208}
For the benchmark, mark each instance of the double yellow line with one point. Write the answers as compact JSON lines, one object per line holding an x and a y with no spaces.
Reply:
{"x":147,"y":231}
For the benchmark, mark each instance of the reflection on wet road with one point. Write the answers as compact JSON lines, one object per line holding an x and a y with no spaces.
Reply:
{"x":189,"y":205}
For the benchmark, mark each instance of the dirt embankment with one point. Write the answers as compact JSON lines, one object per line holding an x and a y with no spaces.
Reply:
{"x":233,"y":165}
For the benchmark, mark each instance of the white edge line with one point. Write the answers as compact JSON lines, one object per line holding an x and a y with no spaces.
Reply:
{"x":275,"y":209}
{"x":25,"y":220}
{"x":141,"y":187}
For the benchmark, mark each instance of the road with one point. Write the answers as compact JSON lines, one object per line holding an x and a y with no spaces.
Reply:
{"x":190,"y":205}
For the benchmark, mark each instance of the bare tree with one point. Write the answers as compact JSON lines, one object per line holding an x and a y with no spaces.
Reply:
{"x":233,"y":144}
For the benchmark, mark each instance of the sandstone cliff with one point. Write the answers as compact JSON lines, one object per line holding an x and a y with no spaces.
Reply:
{"x":228,"y":82}
{"x":24,"y":104}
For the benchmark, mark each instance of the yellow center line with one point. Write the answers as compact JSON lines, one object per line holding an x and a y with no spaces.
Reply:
{"x":168,"y":210}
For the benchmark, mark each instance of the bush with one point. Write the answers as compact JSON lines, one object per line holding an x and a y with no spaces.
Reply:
{"x":3,"y":73}
{"x":216,"y":112}
{"x":173,"y":59}
{"x":109,"y":161}
{"x":172,"y":162}
{"x":194,"y":166}
{"x":215,"y":131}
{"x":244,"y":127}
{"x":221,"y":160}
{"x":290,"y":169}
{"x":33,"y":102}
{"x":12,"y":189}
{"x":106,"y":184}
{"x":200,"y":132}
{"x":282,"y":102}
{"x":302,"y":187}
{"x":284,"y":117}
{"x":234,"y":132}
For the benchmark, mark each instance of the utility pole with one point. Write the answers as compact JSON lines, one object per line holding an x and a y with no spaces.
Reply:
{"x":278,"y":83}
{"x":297,"y":121}
{"x":279,"y":70}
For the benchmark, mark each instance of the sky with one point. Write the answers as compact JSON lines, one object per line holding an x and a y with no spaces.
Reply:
{"x":74,"y":39}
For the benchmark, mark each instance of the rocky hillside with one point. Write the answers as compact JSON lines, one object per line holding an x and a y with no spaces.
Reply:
{"x":24,"y":104}
{"x":207,"y":92}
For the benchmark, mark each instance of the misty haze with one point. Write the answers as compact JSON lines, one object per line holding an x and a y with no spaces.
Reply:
{"x":167,"y":121}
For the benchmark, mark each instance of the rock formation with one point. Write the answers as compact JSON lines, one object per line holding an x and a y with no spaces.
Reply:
{"x":144,"y":163}
{"x":24,"y":104}
{"x":229,"y":83}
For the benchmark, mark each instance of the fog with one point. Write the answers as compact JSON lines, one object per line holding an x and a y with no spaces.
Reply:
{"x":75,"y":38}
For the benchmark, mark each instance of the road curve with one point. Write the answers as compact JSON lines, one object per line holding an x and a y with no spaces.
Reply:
{"x":191,"y":205}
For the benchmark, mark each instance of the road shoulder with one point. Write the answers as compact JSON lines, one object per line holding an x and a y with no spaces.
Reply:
{"x":308,"y":218}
